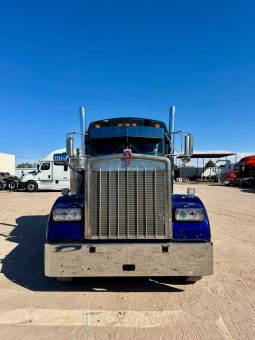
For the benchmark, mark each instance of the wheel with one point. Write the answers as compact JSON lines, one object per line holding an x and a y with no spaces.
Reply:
{"x":2,"y":185}
{"x":31,"y":186}
{"x":12,"y":185}
{"x":64,"y":279}
{"x":247,"y":183}
{"x":237,"y":183}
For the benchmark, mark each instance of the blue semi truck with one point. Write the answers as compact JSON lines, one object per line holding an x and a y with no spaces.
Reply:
{"x":120,"y":217}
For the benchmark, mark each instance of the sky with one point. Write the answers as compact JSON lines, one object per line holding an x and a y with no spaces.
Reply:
{"x":117,"y":58}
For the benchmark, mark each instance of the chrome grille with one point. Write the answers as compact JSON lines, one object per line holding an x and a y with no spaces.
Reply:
{"x":127,"y":204}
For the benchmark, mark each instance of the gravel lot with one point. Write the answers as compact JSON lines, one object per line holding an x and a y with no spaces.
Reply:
{"x":220,"y":306}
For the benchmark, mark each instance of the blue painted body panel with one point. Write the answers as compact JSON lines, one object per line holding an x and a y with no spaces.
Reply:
{"x":189,"y":230}
{"x":66,"y":231}
{"x":126,"y":131}
{"x":182,"y":231}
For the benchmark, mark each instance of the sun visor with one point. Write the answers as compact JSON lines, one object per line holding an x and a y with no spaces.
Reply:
{"x":126,"y":131}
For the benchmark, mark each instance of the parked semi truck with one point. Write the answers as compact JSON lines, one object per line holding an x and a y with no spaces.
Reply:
{"x":243,"y":173}
{"x":47,"y":176}
{"x":121,"y":217}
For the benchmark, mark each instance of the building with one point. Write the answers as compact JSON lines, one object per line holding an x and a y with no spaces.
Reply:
{"x":7,"y":163}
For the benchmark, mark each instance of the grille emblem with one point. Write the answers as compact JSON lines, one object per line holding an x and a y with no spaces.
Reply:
{"x":127,"y":155}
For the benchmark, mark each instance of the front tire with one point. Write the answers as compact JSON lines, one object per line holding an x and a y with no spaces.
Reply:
{"x":31,"y":186}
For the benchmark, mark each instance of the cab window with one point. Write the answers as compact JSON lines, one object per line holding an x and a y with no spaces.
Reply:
{"x":45,"y":166}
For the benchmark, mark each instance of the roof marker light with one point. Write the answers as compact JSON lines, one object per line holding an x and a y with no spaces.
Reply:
{"x":97,"y":126}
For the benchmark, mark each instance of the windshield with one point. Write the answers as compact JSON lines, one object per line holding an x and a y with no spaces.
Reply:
{"x":109,"y":146}
{"x":237,"y":167}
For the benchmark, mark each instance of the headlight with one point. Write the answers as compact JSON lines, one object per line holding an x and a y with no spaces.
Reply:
{"x":186,"y":214}
{"x":73,"y":214}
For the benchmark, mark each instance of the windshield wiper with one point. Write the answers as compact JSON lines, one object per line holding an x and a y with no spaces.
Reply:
{"x":118,"y":148}
{"x":135,"y":149}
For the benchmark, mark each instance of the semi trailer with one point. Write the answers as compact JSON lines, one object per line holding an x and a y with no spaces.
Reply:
{"x":121,"y":217}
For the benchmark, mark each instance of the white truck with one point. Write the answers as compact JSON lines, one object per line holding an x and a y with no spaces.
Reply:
{"x":222,"y":167}
{"x":47,"y":176}
{"x":212,"y":173}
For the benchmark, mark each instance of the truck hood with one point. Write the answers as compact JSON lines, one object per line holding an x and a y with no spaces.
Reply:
{"x":29,"y":176}
{"x":231,"y":174}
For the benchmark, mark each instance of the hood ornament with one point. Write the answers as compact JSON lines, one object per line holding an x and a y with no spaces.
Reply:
{"x":127,"y":153}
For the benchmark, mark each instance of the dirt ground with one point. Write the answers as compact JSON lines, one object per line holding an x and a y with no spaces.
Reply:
{"x":221,"y":306}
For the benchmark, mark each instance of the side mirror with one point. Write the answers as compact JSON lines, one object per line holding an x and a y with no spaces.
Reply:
{"x":60,"y":158}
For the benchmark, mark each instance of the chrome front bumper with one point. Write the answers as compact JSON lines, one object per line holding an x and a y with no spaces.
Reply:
{"x":128,"y":259}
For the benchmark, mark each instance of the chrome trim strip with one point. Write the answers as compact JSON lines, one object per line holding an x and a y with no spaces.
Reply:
{"x":100,"y":201}
{"x":87,"y":225}
{"x":118,"y":200}
{"x":109,"y":203}
{"x":127,"y":205}
{"x":145,"y":203}
{"x":137,"y":204}
{"x":155,"y":201}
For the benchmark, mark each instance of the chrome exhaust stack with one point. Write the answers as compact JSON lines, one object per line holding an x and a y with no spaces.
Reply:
{"x":172,"y":126}
{"x":82,"y":129}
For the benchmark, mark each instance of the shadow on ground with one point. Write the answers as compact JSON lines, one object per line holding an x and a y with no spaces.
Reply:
{"x":33,"y":192}
{"x":248,"y":190}
{"x":24,"y":265}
